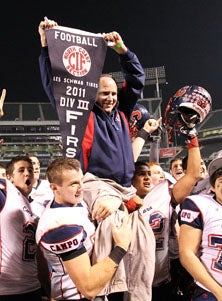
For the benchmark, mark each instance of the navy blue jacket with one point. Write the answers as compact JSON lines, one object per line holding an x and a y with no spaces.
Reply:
{"x":106,"y":147}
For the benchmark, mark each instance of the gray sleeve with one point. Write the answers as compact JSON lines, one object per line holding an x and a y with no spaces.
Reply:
{"x":154,"y":150}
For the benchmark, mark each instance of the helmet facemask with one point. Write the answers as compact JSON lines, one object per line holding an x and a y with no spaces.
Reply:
{"x":189,"y":117}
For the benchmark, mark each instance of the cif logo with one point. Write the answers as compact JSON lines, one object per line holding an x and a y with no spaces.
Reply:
{"x":76,"y":61}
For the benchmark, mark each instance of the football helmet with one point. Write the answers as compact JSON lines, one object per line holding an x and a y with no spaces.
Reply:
{"x":189,"y":106}
{"x":138,"y":117}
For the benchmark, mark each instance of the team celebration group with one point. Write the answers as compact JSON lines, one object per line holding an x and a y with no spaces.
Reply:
{"x":104,"y":225}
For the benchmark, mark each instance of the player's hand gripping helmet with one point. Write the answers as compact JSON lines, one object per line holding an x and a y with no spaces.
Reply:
{"x":189,"y":106}
{"x":138,"y":117}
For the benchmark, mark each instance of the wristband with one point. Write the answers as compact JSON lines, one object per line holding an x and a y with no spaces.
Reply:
{"x":193,"y":143}
{"x":132,"y":205}
{"x":117,"y":254}
{"x":143,"y":134}
{"x":119,"y":45}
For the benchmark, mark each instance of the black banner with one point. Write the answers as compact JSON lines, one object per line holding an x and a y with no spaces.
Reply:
{"x":77,"y":58}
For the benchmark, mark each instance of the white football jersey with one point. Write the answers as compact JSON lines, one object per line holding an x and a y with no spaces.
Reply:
{"x":63,"y":230}
{"x":18,"y":268}
{"x":205,"y":213}
{"x":158,"y":210}
{"x":41,"y":196}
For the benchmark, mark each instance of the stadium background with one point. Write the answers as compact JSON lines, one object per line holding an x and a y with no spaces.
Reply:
{"x":34,"y":128}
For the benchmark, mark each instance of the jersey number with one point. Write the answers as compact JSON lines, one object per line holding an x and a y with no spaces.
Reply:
{"x":157,"y":222}
{"x":29,"y":243}
{"x":216,"y":241}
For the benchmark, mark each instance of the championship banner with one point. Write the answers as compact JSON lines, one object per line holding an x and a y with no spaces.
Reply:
{"x":77,"y":58}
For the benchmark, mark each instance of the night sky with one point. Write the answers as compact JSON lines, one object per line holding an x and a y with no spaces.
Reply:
{"x":185,"y":36}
